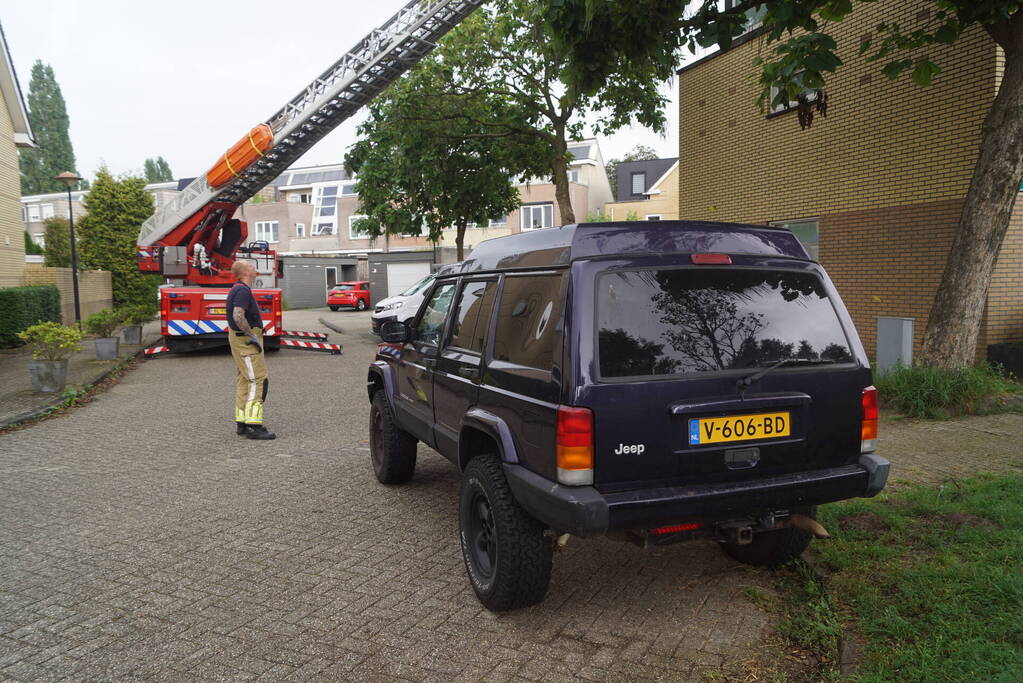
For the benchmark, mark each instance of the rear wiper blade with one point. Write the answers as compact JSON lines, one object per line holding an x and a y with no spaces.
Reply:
{"x":743,"y":383}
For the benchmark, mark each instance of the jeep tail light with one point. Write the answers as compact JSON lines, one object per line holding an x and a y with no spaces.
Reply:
{"x":711,"y":259}
{"x":868,"y":430}
{"x":575,"y":446}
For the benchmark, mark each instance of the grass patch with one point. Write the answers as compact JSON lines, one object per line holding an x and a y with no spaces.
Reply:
{"x":809,"y":620}
{"x":935,"y":587}
{"x":935,"y":393}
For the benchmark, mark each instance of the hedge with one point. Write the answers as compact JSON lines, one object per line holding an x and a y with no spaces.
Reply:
{"x":21,"y":307}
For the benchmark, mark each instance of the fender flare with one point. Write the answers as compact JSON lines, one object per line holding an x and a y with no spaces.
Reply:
{"x":494,"y":427}
{"x":381,"y":377}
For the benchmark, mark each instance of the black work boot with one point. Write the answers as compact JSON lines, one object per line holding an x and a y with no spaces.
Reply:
{"x":260,"y":432}
{"x":243,"y":428}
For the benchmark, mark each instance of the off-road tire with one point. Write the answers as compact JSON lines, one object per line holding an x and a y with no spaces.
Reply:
{"x":392,"y":449}
{"x":772,"y":548}
{"x":334,"y":308}
{"x":361,"y":305}
{"x":521,"y":571}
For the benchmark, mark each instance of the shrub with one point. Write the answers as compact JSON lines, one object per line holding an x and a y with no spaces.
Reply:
{"x":936,"y":393}
{"x":21,"y":307}
{"x":52,"y":341}
{"x":137,"y":314}
{"x":31,"y":247}
{"x":103,"y":323}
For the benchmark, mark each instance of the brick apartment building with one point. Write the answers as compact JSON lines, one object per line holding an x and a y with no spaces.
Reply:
{"x":647,"y":191}
{"x":314,"y":209}
{"x":876,"y":188}
{"x":15,"y":132}
{"x":36,"y":208}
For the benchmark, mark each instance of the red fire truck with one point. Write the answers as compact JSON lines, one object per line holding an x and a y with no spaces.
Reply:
{"x":194,"y":239}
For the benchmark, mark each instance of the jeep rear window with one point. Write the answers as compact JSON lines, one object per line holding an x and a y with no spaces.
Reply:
{"x":686,"y":320}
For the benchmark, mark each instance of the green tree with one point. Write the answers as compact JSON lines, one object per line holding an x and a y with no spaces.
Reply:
{"x":437,"y":162}
{"x":638,"y":153}
{"x":157,"y":171}
{"x":502,"y":51}
{"x":58,"y":242}
{"x":48,"y":117}
{"x":30,"y":246}
{"x":115,"y":210}
{"x":607,"y":39}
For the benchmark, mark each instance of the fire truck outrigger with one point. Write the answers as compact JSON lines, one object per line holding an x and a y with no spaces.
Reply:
{"x":195,"y":239}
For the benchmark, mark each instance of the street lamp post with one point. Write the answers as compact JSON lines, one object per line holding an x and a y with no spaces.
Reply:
{"x":69,"y":179}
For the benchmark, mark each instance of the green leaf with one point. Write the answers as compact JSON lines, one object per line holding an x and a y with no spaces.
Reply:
{"x":893,"y":69}
{"x":947,"y":34}
{"x":925,"y":72}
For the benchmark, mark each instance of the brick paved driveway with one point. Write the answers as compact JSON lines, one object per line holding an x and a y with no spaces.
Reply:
{"x":139,"y":538}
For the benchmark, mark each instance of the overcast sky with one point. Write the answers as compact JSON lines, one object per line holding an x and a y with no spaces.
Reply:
{"x":185,"y":80}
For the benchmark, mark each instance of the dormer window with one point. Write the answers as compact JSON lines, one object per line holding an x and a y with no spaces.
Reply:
{"x":638,"y":183}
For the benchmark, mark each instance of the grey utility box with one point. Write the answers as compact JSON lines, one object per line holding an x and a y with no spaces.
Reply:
{"x":894,"y":343}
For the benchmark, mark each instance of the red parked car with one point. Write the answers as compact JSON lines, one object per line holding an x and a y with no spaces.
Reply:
{"x":352,"y":294}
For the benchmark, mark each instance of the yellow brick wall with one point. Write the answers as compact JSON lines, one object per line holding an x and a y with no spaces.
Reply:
{"x":885,"y":173}
{"x":12,"y":242}
{"x":883,"y":143}
{"x":665,"y":203}
{"x":94,"y":290}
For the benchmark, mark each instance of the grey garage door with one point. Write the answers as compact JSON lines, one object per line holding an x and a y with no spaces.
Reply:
{"x":401,"y":276}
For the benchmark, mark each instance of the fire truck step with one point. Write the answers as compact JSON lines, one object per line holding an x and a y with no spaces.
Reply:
{"x":322,"y":336}
{"x":155,"y":350}
{"x":333,"y":349}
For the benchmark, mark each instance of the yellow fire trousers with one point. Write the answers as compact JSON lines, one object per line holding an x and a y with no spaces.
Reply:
{"x":252,"y":382}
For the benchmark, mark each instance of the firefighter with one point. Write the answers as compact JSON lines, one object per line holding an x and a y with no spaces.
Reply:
{"x":246,"y":338}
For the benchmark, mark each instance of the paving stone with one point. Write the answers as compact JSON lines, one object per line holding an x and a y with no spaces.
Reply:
{"x":143,"y":540}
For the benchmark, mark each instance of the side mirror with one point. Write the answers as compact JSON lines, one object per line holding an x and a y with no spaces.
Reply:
{"x":395,"y":332}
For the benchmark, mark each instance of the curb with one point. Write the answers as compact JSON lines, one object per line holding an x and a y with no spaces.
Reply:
{"x":58,"y":400}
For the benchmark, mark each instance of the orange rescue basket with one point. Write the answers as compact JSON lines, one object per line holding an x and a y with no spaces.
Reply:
{"x":235,"y":160}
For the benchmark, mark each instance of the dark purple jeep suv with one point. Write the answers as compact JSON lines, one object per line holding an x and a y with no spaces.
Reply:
{"x":651,"y":382}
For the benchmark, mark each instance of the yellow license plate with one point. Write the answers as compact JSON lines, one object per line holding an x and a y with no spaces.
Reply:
{"x":738,"y":428}
{"x":218,"y":311}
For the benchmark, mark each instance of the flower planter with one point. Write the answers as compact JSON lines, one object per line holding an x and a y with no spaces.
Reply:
{"x":48,"y":375}
{"x":133,"y":334}
{"x":1009,"y":356}
{"x":107,"y":348}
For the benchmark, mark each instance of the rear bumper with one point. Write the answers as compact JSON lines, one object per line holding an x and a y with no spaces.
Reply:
{"x":584,"y":511}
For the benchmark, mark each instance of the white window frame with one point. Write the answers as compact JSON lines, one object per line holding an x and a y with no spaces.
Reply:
{"x":24,"y":213}
{"x":652,"y":217}
{"x":811,"y":94}
{"x":501,"y":224}
{"x":526,"y":210}
{"x":351,"y":230}
{"x":40,"y":239}
{"x":47,"y":210}
{"x":299,"y":229}
{"x":263,"y":227}
{"x":34,"y":215}
{"x":321,"y":228}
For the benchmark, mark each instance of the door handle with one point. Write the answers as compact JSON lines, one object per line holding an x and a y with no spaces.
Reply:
{"x":469,"y":373}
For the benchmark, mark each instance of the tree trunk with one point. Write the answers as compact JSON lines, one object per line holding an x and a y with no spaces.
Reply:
{"x":950,"y":339}
{"x":559,"y":166}
{"x":460,"y":240}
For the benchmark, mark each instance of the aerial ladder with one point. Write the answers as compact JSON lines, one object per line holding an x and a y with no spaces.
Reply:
{"x":194,"y":239}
